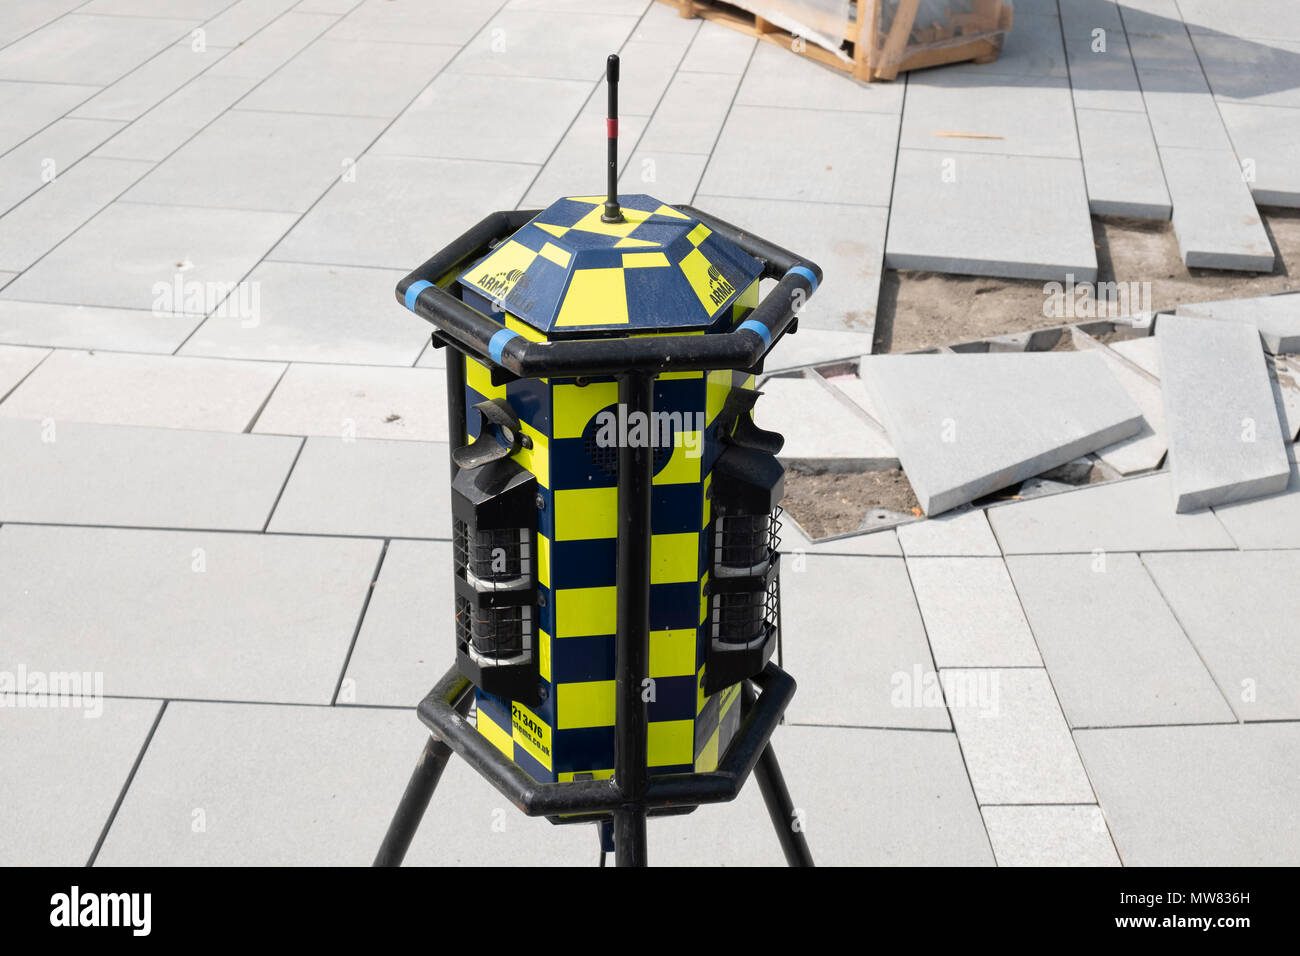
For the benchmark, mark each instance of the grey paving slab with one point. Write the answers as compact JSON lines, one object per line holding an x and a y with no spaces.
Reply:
{"x":574,"y":168}
{"x":27,"y":17}
{"x":1271,"y":522}
{"x":1198,"y":796}
{"x":259,"y":161}
{"x":1132,"y":515}
{"x":645,"y":69}
{"x":357,"y":400}
{"x":794,"y":541}
{"x":320,"y":79}
{"x":89,"y":327}
{"x":1214,"y":214}
{"x":1101,"y":67}
{"x":862,"y":143}
{"x":816,"y":346}
{"x":691,"y":114}
{"x":406,"y":642}
{"x":16,"y":363}
{"x":239,"y":21}
{"x":1284,"y":378}
{"x":1239,"y":609}
{"x":1032,"y":48}
{"x":980,"y":214}
{"x":50,"y":215}
{"x":151,"y":82}
{"x":542,"y":110}
{"x":6,"y":278}
{"x":972,"y":615}
{"x":274,"y":45}
{"x":30,"y":166}
{"x":955,"y":534}
{"x":966,"y":425}
{"x":402,"y":209}
{"x":63,"y":773}
{"x":309,"y":313}
{"x":663,"y":24}
{"x":83,"y":49}
{"x":719,"y":49}
{"x":1146,"y":449}
{"x":1250,"y":70}
{"x":432,"y":357}
{"x":1158,"y":39}
{"x":1182,"y":111}
{"x":198,"y":9}
{"x":1276,"y":316}
{"x":228,"y":616}
{"x":855,"y":390}
{"x":173,"y":121}
{"x":979,"y":112}
{"x":1115,"y":652}
{"x":1017,"y":745}
{"x":875,"y":672}
{"x":26,"y":108}
{"x":266,"y":781}
{"x":672,"y":177}
{"x":778,"y":77}
{"x":847,"y":241}
{"x":914,"y":809}
{"x":434,"y":21}
{"x":1225,"y":441}
{"x":119,"y":388}
{"x":1121,"y":165}
{"x":69,"y":473}
{"x":1050,"y":836}
{"x":1265,"y":136}
{"x":155,"y":250}
{"x":544,"y":43}
{"x":821,"y":432}
{"x":1143,"y":352}
{"x":1263,"y":19}
{"x":367,"y":487}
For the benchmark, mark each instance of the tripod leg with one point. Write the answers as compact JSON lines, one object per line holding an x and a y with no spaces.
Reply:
{"x":771,"y":784}
{"x":415,"y":800}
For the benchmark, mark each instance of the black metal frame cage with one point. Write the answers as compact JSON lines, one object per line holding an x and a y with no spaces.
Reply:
{"x":632,"y":794}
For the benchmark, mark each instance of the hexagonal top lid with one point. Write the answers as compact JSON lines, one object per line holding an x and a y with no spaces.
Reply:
{"x":568,"y":274}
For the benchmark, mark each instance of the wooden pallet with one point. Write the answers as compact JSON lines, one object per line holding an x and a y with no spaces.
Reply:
{"x":875,"y":54}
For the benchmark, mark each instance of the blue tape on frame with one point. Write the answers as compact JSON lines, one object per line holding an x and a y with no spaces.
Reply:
{"x":758,"y":327}
{"x":498,"y":342}
{"x":413,"y":292}
{"x":807,"y":274}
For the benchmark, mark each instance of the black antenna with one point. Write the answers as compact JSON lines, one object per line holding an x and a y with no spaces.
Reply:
{"x":612,"y":211}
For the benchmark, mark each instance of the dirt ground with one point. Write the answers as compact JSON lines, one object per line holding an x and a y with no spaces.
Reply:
{"x":831,"y":504}
{"x":924,"y":309}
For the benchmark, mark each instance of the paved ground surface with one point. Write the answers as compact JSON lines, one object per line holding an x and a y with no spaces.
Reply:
{"x":232,"y":508}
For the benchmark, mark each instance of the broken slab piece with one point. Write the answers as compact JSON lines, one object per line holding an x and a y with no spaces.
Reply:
{"x":822,"y":433}
{"x":1276,"y":316}
{"x":967,"y":425}
{"x":1225,"y":441}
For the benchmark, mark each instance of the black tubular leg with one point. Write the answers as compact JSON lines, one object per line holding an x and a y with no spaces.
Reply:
{"x":771,"y":783}
{"x":632,"y":644}
{"x":415,"y":800}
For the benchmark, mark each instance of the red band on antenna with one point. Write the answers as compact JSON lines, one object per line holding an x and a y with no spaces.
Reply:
{"x":611,"y":127}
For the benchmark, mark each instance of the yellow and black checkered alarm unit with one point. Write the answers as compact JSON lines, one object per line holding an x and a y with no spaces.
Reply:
{"x":535,"y":554}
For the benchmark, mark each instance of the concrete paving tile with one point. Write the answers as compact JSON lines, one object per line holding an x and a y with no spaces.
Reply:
{"x":1158,"y":40}
{"x":971,"y":612}
{"x":1276,"y":316}
{"x":308,"y":313}
{"x":358,"y":401}
{"x":89,"y":327}
{"x":63,"y":773}
{"x":1271,"y":522}
{"x":691,"y":114}
{"x":267,"y":781}
{"x":6,"y":278}
{"x":976,"y":214}
{"x":26,"y":108}
{"x":229,"y":616}
{"x":1121,"y":165}
{"x":1239,"y":609}
{"x":877,"y":673}
{"x":847,"y":241}
{"x":16,"y":363}
{"x":664,"y":24}
{"x":402,"y":209}
{"x":1225,"y":441}
{"x":119,"y":388}
{"x":84,"y":49}
{"x":1146,"y":449}
{"x":1284,"y":379}
{"x":69,"y":473}
{"x":955,"y":111}
{"x":570,"y":46}
{"x":238,"y":21}
{"x":777,"y":77}
{"x":1060,"y":406}
{"x":815,"y":346}
{"x":1050,"y":836}
{"x":1265,"y":19}
{"x":1142,"y":352}
{"x":719,"y":49}
{"x":1101,"y":68}
{"x":173,"y":121}
{"x":432,"y":21}
{"x":406,"y":641}
{"x":1132,"y":515}
{"x":1266,"y":137}
{"x":1115,"y":652}
{"x":155,"y":250}
{"x":46,"y":218}
{"x":151,"y":82}
{"x":432,"y":358}
{"x":855,"y":390}
{"x":1255,"y":71}
{"x":197,"y":9}
{"x":1198,"y":796}
{"x":24,"y":18}
{"x":1015,"y":741}
{"x":670,"y":176}
{"x":577,"y":165}
{"x":30,"y":166}
{"x":840,"y":439}
{"x":1032,"y":48}
{"x":1214,"y":214}
{"x":391,"y":489}
{"x":881,"y":544}
{"x":645,"y":70}
{"x":320,"y":79}
{"x":261,"y":161}
{"x":274,"y":45}
{"x":915,"y":809}
{"x":862,"y":144}
{"x":1182,"y":111}
{"x":956,"y":534}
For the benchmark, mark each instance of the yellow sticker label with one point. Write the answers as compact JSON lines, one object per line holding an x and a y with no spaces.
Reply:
{"x":531,"y":733}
